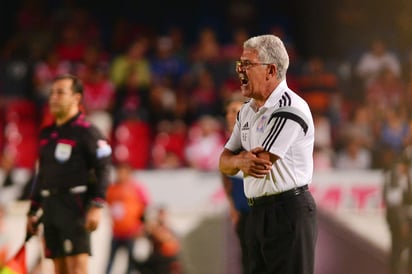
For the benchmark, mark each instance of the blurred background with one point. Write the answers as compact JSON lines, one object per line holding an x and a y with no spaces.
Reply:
{"x":156,"y":78}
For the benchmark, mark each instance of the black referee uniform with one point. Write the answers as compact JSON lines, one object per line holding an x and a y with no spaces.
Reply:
{"x":73,"y":174}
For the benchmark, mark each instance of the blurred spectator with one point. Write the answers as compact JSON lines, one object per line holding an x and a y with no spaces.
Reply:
{"x":131,"y":100}
{"x":323,"y":134}
{"x":204,"y":97}
{"x":322,"y":159}
{"x":374,"y":59}
{"x":94,"y":58}
{"x":360,"y":126}
{"x":21,"y":132}
{"x":165,"y":64}
{"x":207,"y":48}
{"x":318,"y":85}
{"x":70,"y":45}
{"x":132,"y":141}
{"x":396,"y":197}
{"x":296,"y":63}
{"x":127,"y":200}
{"x":89,"y":27}
{"x":179,"y":45}
{"x":233,"y":185}
{"x":163,"y":100}
{"x":16,"y":72}
{"x":14,"y":181}
{"x":206,"y":54}
{"x":395,"y":129}
{"x":392,"y":134}
{"x":187,"y":76}
{"x":233,"y":49}
{"x":351,"y":16}
{"x":205,"y":142}
{"x":99,"y":91}
{"x":166,"y":247}
{"x":168,"y":150}
{"x":385,"y":91}
{"x":323,"y":148}
{"x":230,"y":86}
{"x":133,"y":59}
{"x":353,"y":156}
{"x":45,"y":70}
{"x":98,"y":88}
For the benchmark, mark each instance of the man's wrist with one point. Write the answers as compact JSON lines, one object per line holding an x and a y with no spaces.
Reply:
{"x":33,"y":209}
{"x":98,"y":202}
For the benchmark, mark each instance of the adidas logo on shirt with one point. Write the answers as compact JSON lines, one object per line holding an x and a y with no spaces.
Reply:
{"x":245,"y":126}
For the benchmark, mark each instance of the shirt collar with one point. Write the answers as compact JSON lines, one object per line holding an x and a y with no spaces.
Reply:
{"x":274,"y":97}
{"x":68,"y":122}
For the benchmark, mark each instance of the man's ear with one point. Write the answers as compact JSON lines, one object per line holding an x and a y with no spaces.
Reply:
{"x":79,"y":97}
{"x":272,"y":69}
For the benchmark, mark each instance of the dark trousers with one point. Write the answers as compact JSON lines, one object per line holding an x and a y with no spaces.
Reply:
{"x":281,"y":236}
{"x":116,"y":244}
{"x":398,"y":226}
{"x":240,"y":232}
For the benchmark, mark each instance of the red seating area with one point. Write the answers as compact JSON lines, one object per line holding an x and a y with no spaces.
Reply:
{"x":20,"y":135}
{"x":168,"y":149}
{"x":131,"y":143}
{"x":132,"y":140}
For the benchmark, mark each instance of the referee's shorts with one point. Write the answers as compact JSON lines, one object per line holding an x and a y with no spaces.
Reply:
{"x":64,"y":214}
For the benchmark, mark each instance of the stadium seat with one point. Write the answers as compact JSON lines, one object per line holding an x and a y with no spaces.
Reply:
{"x":20,"y":139}
{"x":20,"y":110}
{"x":132,"y":143}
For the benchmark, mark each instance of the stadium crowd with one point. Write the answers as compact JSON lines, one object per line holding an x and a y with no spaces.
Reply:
{"x":160,"y":98}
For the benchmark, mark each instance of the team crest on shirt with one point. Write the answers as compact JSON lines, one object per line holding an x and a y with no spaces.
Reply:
{"x":261,"y":124}
{"x":63,"y":152}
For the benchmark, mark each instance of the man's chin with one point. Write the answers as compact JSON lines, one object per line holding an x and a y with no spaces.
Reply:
{"x":244,"y":89}
{"x":55,"y":112}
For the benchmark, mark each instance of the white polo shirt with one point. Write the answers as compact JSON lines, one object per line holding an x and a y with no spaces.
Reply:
{"x":283,"y":127}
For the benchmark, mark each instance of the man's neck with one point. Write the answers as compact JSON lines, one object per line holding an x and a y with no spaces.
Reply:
{"x":62,"y":120}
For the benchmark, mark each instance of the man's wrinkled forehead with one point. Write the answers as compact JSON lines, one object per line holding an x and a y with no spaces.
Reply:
{"x":250,"y":55}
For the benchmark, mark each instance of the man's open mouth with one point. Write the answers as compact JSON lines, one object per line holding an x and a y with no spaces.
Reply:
{"x":244,"y":80}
